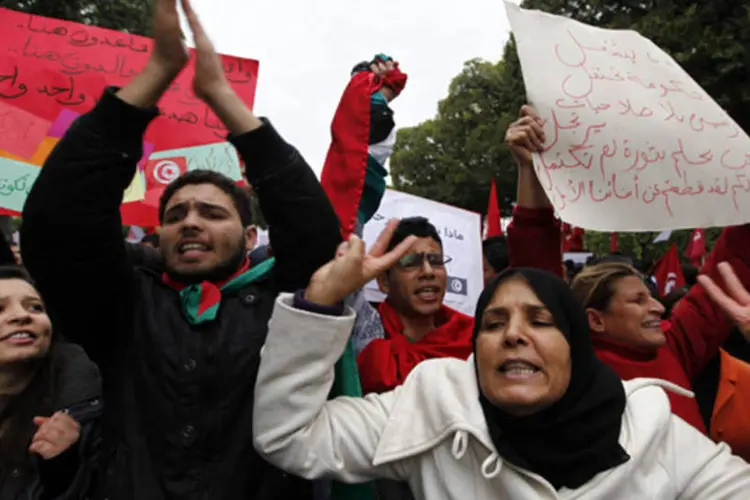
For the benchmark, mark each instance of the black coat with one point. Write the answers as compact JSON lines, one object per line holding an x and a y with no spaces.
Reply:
{"x":178,"y":420}
{"x":70,"y":475}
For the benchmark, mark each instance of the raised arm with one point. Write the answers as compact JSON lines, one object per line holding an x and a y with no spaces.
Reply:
{"x":699,"y":326}
{"x":534,"y":237}
{"x":89,"y":288}
{"x":294,"y":427}
{"x":303,"y":228}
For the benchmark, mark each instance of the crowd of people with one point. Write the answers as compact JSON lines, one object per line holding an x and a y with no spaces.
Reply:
{"x":195,"y":365}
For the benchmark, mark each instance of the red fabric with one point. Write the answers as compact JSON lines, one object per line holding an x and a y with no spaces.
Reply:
{"x":572,"y":238}
{"x":343,"y":176}
{"x":535,"y":240}
{"x":395,"y":80}
{"x":614,"y":243}
{"x":385,"y":363}
{"x":494,"y":227}
{"x":210,"y":292}
{"x":696,"y":328}
{"x":668,"y":272}
{"x":7,"y":211}
{"x":696,"y":248}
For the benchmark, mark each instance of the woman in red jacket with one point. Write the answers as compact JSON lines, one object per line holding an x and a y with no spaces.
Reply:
{"x":622,"y":313}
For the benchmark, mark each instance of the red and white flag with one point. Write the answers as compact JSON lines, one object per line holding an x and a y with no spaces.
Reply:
{"x":159,"y":173}
{"x":696,"y":248}
{"x":668,"y":272}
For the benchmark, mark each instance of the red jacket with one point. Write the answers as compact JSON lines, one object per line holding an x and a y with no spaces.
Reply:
{"x":696,"y":329}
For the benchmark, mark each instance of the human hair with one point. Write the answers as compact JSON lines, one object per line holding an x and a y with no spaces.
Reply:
{"x":153,"y":239}
{"x":690,"y":273}
{"x":414,"y":226}
{"x":14,"y":272}
{"x":37,"y":399}
{"x":594,"y":286}
{"x":671,"y":300}
{"x":239,"y":196}
{"x":495,"y":250}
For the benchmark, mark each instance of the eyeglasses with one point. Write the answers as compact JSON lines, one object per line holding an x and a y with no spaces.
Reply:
{"x":416,"y":260}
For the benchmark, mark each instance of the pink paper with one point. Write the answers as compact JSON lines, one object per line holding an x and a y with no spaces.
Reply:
{"x":61,"y":124}
{"x":148,"y":148}
{"x":20,"y":131}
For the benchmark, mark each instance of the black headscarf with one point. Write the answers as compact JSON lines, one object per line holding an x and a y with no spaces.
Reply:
{"x":577,"y":437}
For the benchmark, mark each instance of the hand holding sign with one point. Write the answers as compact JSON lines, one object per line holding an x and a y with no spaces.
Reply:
{"x":525,"y":136}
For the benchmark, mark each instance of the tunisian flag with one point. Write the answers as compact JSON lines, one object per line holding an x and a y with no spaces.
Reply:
{"x":494,"y":228}
{"x":668,"y":272}
{"x":696,"y":248}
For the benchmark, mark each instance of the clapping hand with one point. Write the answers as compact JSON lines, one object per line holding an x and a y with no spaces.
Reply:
{"x":352,"y":267}
{"x":170,"y":52}
{"x":736,"y":303}
{"x":54,"y":435}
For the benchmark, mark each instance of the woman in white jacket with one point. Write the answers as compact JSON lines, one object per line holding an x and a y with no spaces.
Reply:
{"x":533,"y":414}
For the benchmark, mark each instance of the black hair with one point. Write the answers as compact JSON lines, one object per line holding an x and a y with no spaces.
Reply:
{"x":152,"y":238}
{"x":37,"y":399}
{"x":360,"y":67}
{"x":414,"y":226}
{"x":240,"y":197}
{"x":671,"y":299}
{"x":690,"y":273}
{"x":14,"y":272}
{"x":495,"y":250}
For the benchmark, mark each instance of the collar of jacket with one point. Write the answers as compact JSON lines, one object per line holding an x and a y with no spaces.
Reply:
{"x":426,"y":414}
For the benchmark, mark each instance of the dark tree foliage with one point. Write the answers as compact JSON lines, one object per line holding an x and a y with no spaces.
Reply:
{"x":131,"y":16}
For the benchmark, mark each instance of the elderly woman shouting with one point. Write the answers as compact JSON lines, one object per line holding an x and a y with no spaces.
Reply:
{"x":532,"y":414}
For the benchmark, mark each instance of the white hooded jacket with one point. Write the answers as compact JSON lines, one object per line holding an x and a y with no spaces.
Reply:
{"x":431,"y":431}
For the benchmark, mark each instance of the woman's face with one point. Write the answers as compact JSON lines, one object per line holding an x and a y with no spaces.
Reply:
{"x":25,"y":328}
{"x":633,"y":317}
{"x":523,"y":359}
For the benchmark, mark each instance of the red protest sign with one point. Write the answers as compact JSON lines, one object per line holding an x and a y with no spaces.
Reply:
{"x":48,"y":66}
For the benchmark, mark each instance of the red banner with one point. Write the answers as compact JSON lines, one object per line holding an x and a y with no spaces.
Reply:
{"x":50,"y":68}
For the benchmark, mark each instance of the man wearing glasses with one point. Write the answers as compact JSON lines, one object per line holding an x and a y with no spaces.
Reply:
{"x":417,"y":325}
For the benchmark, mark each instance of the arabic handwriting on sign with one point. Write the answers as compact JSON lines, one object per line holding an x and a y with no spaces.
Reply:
{"x":82,"y":37}
{"x":70,"y":63}
{"x":452,"y":234}
{"x":10,"y":87}
{"x":20,"y":185}
{"x":236,"y":70}
{"x":64,"y":95}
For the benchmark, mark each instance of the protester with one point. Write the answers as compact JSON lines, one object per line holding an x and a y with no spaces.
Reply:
{"x":722,"y":388}
{"x":494,"y":257}
{"x":624,"y":317}
{"x":49,"y":401}
{"x":531,"y":414}
{"x":179,"y":351}
{"x":418,"y":326}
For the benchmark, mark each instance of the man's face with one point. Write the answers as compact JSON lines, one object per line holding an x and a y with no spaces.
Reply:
{"x":202,"y":236}
{"x":417,"y":290}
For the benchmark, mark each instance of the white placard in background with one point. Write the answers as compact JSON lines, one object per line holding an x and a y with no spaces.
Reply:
{"x":633,"y":143}
{"x":460,"y":231}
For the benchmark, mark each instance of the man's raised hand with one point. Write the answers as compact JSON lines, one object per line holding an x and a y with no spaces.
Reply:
{"x":352,"y":267}
{"x":170,"y":52}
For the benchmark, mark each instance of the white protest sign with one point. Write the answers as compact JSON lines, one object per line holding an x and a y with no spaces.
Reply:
{"x":632,"y":142}
{"x":460,"y":231}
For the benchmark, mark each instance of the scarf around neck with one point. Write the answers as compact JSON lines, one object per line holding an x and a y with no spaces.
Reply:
{"x":450,"y":339}
{"x":578,"y":436}
{"x":200,"y":302}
